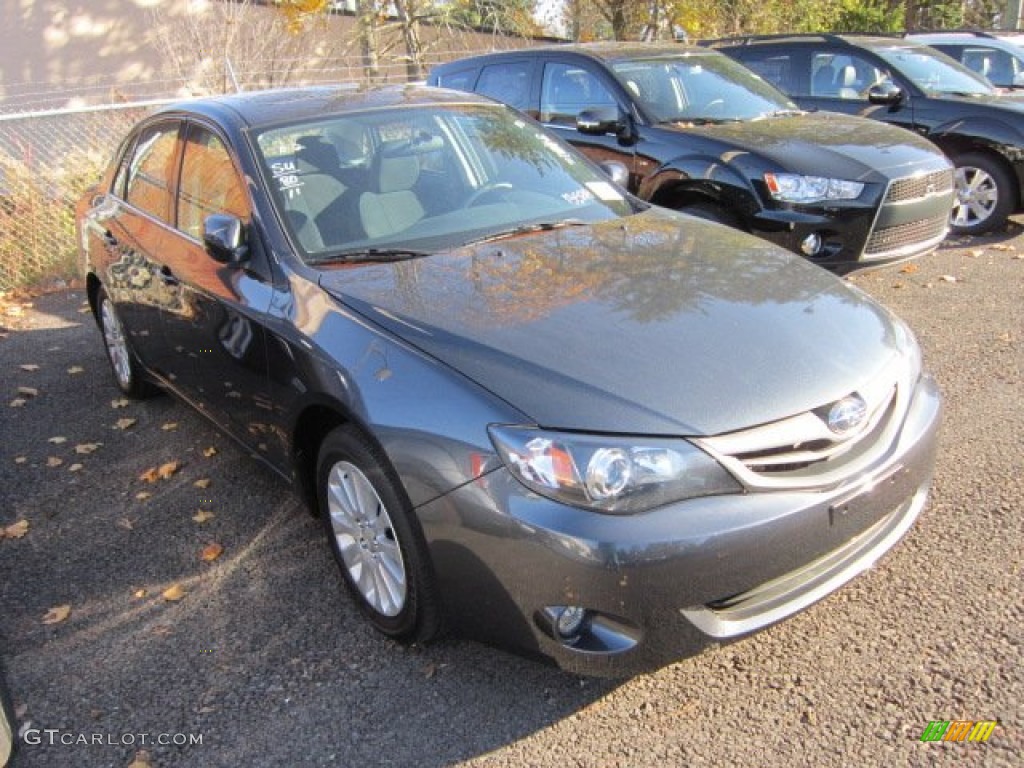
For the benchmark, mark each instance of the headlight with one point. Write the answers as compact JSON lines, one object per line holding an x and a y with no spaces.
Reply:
{"x":791,"y":188}
{"x":609,"y":474}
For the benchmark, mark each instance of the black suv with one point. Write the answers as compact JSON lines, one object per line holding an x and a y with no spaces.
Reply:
{"x":914,"y":86}
{"x":700,"y":133}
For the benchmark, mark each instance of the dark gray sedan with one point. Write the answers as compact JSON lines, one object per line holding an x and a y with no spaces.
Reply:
{"x":526,"y":405}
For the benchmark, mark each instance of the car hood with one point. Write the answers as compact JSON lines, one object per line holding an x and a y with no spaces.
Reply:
{"x":652,"y":324}
{"x":830,"y":144}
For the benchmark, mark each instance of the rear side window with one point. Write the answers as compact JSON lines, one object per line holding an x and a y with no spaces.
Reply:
{"x":460,"y":80}
{"x":569,"y":89}
{"x":209,"y":183}
{"x":152,"y":170}
{"x":508,"y":83}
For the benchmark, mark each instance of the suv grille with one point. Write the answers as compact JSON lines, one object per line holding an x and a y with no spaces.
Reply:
{"x":888,"y":239}
{"x":917,"y":187}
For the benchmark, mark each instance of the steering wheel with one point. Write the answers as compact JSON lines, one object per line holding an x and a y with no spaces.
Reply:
{"x":487,"y":189}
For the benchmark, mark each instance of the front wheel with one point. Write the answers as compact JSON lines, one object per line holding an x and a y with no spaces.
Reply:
{"x":375,"y":539}
{"x":127,"y":372}
{"x":985,"y":195}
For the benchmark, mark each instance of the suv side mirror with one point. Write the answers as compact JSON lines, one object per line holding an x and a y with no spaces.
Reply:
{"x":885,"y":93}
{"x":600,"y":121}
{"x":224,"y":239}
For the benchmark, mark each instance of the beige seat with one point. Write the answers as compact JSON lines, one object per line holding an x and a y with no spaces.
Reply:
{"x":394,"y":206}
{"x":847,"y":82}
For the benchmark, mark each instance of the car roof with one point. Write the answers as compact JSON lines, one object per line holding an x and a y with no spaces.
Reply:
{"x":254,"y":108}
{"x":603,"y":51}
{"x":852,"y":40}
{"x":967,"y":39}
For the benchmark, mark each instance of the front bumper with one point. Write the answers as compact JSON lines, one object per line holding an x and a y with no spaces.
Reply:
{"x":667,"y":583}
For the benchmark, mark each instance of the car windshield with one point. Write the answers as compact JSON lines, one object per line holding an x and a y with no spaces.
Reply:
{"x":406,"y":181}
{"x":934,"y":72}
{"x":700,"y":87}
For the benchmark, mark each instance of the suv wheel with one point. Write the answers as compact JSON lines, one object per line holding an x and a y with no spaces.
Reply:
{"x":984,"y":195}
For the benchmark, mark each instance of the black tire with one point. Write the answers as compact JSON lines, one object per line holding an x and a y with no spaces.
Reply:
{"x":370,"y":526}
{"x":711,"y":212}
{"x":128,"y":374}
{"x":986,"y":194}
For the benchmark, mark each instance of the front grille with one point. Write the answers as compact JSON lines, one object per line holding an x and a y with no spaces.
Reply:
{"x":918,"y":187}
{"x":885,"y":240}
{"x":801,"y":452}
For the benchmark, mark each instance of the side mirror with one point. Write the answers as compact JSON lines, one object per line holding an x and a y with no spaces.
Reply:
{"x":224,"y":239}
{"x":616,"y":171}
{"x":601,"y":121}
{"x":885,"y":93}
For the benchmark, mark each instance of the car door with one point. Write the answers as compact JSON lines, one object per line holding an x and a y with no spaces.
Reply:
{"x":213,"y":328}
{"x":567,"y":88}
{"x":132,"y":223}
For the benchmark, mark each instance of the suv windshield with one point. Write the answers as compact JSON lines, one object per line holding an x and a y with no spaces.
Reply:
{"x":933,"y":72}
{"x":402,"y":182}
{"x":699,"y":87}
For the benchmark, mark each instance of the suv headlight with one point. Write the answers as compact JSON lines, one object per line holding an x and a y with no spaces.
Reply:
{"x":609,"y":474}
{"x":791,"y":188}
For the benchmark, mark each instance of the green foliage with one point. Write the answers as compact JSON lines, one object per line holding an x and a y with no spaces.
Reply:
{"x":869,"y":16}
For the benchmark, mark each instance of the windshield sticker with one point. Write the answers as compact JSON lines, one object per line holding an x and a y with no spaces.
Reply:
{"x":287,"y":177}
{"x":604,"y":191}
{"x":578,"y":197}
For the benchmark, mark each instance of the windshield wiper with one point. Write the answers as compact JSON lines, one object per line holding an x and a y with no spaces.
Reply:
{"x":522,"y":229}
{"x":372,"y":254}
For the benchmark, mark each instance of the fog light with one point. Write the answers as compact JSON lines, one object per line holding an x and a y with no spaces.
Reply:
{"x":570,"y":621}
{"x":811,"y":245}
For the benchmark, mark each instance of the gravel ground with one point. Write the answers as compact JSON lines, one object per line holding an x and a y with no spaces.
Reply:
{"x":267,"y":662}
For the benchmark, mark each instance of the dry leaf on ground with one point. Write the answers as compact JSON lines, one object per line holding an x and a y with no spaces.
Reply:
{"x":28,"y":391}
{"x":208,"y":452}
{"x":56,"y":440}
{"x":75,"y":468}
{"x":202,"y":516}
{"x":211,"y":552}
{"x":124,"y":423}
{"x":173,"y":593}
{"x":168,"y":469}
{"x":202,"y":483}
{"x":139,"y":593}
{"x":20,"y":459}
{"x":29,"y":367}
{"x":54,"y":461}
{"x":87,"y":447}
{"x":123,"y":402}
{"x":170,"y":425}
{"x":947,"y":278}
{"x":18,"y":402}
{"x":1002,"y":247}
{"x":143,"y":495}
{"x":127,"y":523}
{"x":910,"y":269}
{"x":14,"y":530}
{"x":76,"y":369}
{"x":57,"y":614}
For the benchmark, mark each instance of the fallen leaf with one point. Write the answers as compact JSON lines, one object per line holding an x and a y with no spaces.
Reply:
{"x":124,"y":423}
{"x":947,"y":278}
{"x":910,"y":269}
{"x":202,"y":516}
{"x":143,"y":495}
{"x":75,"y":468}
{"x":150,"y":475}
{"x":169,"y":426}
{"x":1002,"y":247}
{"x":208,"y":452}
{"x":173,"y":593}
{"x":168,"y":469}
{"x":28,"y":391}
{"x":56,"y":440}
{"x":976,"y":252}
{"x":123,"y":402}
{"x":84,"y":310}
{"x":87,"y":447}
{"x":127,"y":523}
{"x":211,"y":552}
{"x":18,"y":402}
{"x":20,"y":459}
{"x":202,"y":483}
{"x":29,"y":367}
{"x":57,"y":614}
{"x":76,"y":369}
{"x":139,"y":593}
{"x":141,"y":760}
{"x":14,"y":530}
{"x":54,"y":461}
{"x":1007,"y":336}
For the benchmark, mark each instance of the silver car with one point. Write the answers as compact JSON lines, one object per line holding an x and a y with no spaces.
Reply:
{"x":526,"y":405}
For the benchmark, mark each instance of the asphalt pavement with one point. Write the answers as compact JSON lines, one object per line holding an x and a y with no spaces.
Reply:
{"x":193,"y":616}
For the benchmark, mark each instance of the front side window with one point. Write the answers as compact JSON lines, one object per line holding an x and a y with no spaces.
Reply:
{"x":209,"y":183}
{"x":151,"y":172}
{"x":844,"y":76}
{"x":567,"y":90}
{"x":425,"y":179}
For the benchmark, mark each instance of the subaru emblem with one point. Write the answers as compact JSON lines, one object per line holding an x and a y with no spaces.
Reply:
{"x":847,"y":414}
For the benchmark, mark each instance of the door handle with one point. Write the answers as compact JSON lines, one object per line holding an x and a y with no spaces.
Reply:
{"x":108,"y":238}
{"x":167,"y":275}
